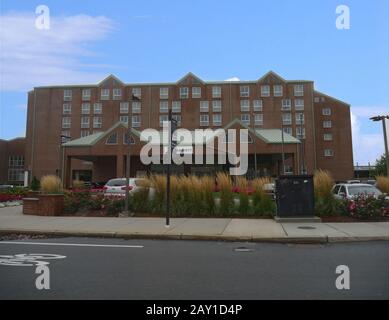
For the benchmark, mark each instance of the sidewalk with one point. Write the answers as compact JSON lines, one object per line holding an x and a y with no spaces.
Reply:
{"x":261,"y":230}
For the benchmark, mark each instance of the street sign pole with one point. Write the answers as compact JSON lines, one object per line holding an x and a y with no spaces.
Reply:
{"x":171,"y":128}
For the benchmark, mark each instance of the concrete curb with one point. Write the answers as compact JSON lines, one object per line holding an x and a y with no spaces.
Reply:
{"x":123,"y":235}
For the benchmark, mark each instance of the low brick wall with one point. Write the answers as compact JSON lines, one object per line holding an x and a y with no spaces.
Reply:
{"x":44,"y":205}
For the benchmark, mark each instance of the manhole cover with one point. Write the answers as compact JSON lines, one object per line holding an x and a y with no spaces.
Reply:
{"x":306,"y":227}
{"x":243,"y":249}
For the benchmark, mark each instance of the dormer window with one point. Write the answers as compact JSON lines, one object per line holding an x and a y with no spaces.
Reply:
{"x":112,"y":139}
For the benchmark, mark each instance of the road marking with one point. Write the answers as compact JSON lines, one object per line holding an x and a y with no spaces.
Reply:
{"x":71,"y":244}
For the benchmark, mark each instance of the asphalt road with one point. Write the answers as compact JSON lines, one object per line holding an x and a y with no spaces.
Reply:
{"x":194,"y":270}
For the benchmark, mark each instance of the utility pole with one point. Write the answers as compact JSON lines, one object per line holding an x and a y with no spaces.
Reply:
{"x":128,"y":160}
{"x":282,"y":147}
{"x":383,"y":119}
{"x":171,"y":144}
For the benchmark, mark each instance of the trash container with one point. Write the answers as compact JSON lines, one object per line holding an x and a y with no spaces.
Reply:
{"x":295,"y":196}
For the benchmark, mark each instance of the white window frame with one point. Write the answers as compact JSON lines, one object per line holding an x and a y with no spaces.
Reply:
{"x":162,"y":118}
{"x":204,"y":120}
{"x":244,"y":91}
{"x":117,"y":94}
{"x":277,"y":90}
{"x":85,"y":122}
{"x":163,"y":106}
{"x":97,"y":108}
{"x":298,"y":90}
{"x":299,"y":104}
{"x":247,"y":120}
{"x":217,"y":119}
{"x":328,"y":152}
{"x":67,"y":95}
{"x":66,"y":122}
{"x":123,"y":119}
{"x":184,"y":92}
{"x":245,"y":105}
{"x":265,"y":90}
{"x":327,"y":124}
{"x":216,"y":91}
{"x":86,"y":94}
{"x":300,"y":132}
{"x":287,"y":130}
{"x":136,"y":107}
{"x":67,"y":108}
{"x":299,"y":117}
{"x":85,"y":108}
{"x":258,"y":105}
{"x":196,"y":92}
{"x":216,"y":105}
{"x":124,"y":107}
{"x":286,"y":119}
{"x":258,"y":119}
{"x":85,"y":133}
{"x":286,"y":104}
{"x":164,"y":93}
{"x":136,"y":92}
{"x":327,"y":137}
{"x":136,"y":121}
{"x":177,"y":117}
{"x":204,"y":106}
{"x":97,"y":122}
{"x":326,"y":111}
{"x":104,"y":94}
{"x":176,"y":106}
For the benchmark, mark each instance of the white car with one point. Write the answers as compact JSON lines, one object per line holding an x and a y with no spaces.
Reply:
{"x":117,"y":187}
{"x":353,"y":190}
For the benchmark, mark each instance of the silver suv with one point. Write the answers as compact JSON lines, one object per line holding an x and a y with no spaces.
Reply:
{"x":353,"y":190}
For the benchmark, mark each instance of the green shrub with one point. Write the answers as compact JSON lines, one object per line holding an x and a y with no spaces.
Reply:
{"x":366,"y":207}
{"x":35,"y":184}
{"x":114,"y":207}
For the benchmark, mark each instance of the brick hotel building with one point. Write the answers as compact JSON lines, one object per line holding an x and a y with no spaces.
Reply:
{"x":96,"y":119}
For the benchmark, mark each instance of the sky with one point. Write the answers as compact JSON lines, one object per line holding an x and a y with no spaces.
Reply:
{"x":160,"y":41}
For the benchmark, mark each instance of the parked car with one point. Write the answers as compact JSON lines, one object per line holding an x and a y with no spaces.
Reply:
{"x":117,"y":187}
{"x":353,"y":190}
{"x":4,"y":187}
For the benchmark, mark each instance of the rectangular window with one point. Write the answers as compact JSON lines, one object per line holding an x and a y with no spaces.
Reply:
{"x":328,"y":152}
{"x":67,"y":95}
{"x":204,"y":120}
{"x":66,"y":122}
{"x":245,"y":118}
{"x":216,"y":105}
{"x":177,"y":117}
{"x":84,"y":133}
{"x":300,"y":132}
{"x":135,"y":121}
{"x":136,"y":107}
{"x":217,"y":119}
{"x":286,"y":104}
{"x":176,"y":106}
{"x":299,"y":104}
{"x":97,"y":122}
{"x":327,"y":124}
{"x":286,"y":118}
{"x":216,"y":92}
{"x":299,"y":118}
{"x":196,"y":92}
{"x":298,"y":90}
{"x":164,"y":93}
{"x":257,"y":105}
{"x":67,"y":108}
{"x":104,"y":94}
{"x":245,"y":105}
{"x":204,"y":106}
{"x":258,"y":119}
{"x":163,"y":118}
{"x":98,"y":108}
{"x":136,"y":93}
{"x":317,"y":99}
{"x":277,"y":90}
{"x":123,"y":119}
{"x":265,"y":91}
{"x":86,"y":93}
{"x":117,"y":94}
{"x":124,"y":107}
{"x":16,"y":174}
{"x":327,"y":137}
{"x":84,"y":122}
{"x":163,"y":106}
{"x":85,"y":108}
{"x":326,"y":111}
{"x":16,"y":161}
{"x":184,"y":93}
{"x":287,"y":130}
{"x":244,"y":91}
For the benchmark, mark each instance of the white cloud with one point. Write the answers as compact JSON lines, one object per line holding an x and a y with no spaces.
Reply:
{"x":367,"y":146}
{"x":32,"y":57}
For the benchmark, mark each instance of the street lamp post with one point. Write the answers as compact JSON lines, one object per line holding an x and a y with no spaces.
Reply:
{"x":383,"y":118}
{"x":128,"y":161}
{"x":63,"y":140}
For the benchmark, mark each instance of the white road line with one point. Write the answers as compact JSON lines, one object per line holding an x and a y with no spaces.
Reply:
{"x":70,"y":244}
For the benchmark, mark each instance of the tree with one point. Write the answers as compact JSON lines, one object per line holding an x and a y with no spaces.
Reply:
{"x":380,"y":166}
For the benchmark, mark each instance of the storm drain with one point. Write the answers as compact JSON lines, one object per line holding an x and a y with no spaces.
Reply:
{"x":306,"y":227}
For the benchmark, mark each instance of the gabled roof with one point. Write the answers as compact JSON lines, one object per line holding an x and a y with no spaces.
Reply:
{"x":111,"y":76}
{"x":190,"y":75}
{"x":271,"y":73}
